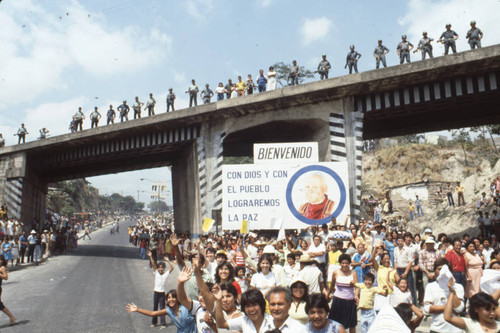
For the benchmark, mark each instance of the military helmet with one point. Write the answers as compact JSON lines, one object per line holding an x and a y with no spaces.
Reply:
{"x":403,"y":37}
{"x":352,"y":46}
{"x":472,"y":22}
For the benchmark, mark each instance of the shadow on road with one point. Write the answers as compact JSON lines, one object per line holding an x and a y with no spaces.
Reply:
{"x":18,"y":323}
{"x":113,"y":251}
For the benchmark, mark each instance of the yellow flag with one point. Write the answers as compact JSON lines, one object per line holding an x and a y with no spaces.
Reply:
{"x":207,"y":224}
{"x":244,"y":227}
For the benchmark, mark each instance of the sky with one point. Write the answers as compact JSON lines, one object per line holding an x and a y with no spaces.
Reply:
{"x":57,"y":55}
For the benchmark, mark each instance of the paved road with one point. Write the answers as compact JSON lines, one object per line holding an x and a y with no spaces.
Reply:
{"x":86,"y":291}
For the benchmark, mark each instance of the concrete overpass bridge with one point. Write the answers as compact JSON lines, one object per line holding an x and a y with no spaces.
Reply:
{"x":448,"y":92}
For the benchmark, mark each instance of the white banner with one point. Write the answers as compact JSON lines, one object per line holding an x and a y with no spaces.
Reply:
{"x":291,"y":152}
{"x":299,"y":195}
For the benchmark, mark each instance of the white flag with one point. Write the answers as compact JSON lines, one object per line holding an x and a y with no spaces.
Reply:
{"x":281,"y":233}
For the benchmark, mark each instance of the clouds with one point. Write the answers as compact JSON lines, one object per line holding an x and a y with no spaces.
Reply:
{"x":458,"y":12}
{"x":265,"y":3}
{"x":199,"y":9}
{"x":38,"y":49}
{"x":314,"y":29}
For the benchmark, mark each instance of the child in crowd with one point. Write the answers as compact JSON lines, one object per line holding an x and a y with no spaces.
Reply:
{"x":240,"y":278}
{"x":400,"y":294}
{"x":159,"y":289}
{"x":367,"y":300}
{"x":333,"y":260}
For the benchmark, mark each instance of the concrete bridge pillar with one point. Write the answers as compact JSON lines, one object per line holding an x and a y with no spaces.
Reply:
{"x":22,"y":190}
{"x":185,"y":186}
{"x":346,"y":145}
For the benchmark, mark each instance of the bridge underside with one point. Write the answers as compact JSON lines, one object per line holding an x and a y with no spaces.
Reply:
{"x":459,"y":112}
{"x":241,"y":143}
{"x":131,"y":160}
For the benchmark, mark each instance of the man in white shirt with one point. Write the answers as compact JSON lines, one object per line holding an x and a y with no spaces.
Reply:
{"x":435,"y":301}
{"x":487,"y":251}
{"x":377,"y":234}
{"x":317,"y":251}
{"x":324,"y":233}
{"x":280,"y":301}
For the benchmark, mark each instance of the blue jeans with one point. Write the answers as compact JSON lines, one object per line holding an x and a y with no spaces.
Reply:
{"x":377,"y":217}
{"x":220,"y":97}
{"x":411,"y":215}
{"x":143,"y":253}
{"x":451,"y":202}
{"x":420,"y":210}
{"x":367,"y":318}
{"x":262,"y":87}
{"x":460,"y":278}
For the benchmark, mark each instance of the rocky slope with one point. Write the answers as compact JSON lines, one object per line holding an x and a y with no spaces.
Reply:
{"x":410,"y":163}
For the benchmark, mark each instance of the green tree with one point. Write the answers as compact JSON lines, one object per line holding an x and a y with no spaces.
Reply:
{"x":462,"y":137}
{"x":488,"y":129}
{"x":282,"y":71}
{"x":158,"y":206}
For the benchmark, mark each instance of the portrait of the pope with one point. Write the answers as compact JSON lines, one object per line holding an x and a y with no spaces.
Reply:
{"x":317,"y":206}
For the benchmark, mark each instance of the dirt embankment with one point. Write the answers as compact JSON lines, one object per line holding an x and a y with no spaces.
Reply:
{"x":413,"y":163}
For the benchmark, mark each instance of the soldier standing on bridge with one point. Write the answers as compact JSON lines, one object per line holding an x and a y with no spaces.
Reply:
{"x":474,"y":35}
{"x":111,"y":115}
{"x":448,"y":38}
{"x":323,"y":68}
{"x":43,"y":133}
{"x":193,"y":93}
{"x":21,"y":133}
{"x":94,"y":118}
{"x":352,"y":60}
{"x":150,"y":105}
{"x":424,"y":45}
{"x":170,"y":99}
{"x":379,"y":53}
{"x":78,"y":119}
{"x":137,"y":108}
{"x":228,"y":88}
{"x":207,"y":94}
{"x":2,"y":141}
{"x":124,"y":110}
{"x":293,"y":76}
{"x":403,"y":50}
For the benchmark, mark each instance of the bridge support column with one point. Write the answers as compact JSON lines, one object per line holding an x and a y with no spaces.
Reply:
{"x":210,"y":158}
{"x":346,"y":145}
{"x":185,"y":186}
{"x":22,"y":191}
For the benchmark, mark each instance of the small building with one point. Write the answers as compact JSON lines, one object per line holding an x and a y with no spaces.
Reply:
{"x":428,"y":191}
{"x":436,"y":139}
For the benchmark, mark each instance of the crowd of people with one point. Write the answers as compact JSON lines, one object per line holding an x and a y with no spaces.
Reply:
{"x":57,"y":235}
{"x":264,"y":82}
{"x":336,"y":277}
